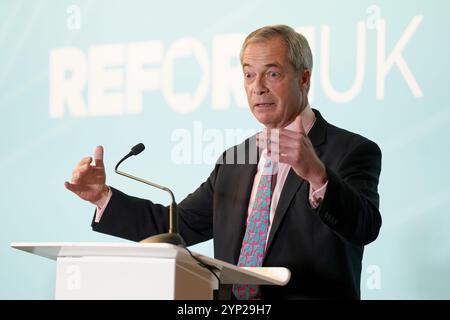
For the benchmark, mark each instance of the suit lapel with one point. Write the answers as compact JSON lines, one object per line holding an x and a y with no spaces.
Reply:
{"x":246,"y":175}
{"x":293,"y":182}
{"x":291,"y":185}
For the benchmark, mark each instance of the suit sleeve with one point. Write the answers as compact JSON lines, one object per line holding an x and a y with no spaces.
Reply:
{"x":136,"y":219}
{"x":350,"y":205}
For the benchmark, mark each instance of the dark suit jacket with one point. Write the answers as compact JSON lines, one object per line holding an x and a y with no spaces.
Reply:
{"x":323,"y":248}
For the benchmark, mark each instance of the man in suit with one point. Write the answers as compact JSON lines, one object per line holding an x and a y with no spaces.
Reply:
{"x":308,"y":201}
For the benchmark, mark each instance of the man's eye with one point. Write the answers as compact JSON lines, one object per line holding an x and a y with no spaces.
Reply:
{"x":273,"y":74}
{"x":247,"y":75}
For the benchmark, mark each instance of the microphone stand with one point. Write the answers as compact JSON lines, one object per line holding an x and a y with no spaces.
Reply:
{"x":172,"y":237}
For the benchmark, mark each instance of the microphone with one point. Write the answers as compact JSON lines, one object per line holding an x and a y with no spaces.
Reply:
{"x":172,"y":237}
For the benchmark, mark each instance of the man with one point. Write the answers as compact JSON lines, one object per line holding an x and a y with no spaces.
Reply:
{"x":310,"y":203}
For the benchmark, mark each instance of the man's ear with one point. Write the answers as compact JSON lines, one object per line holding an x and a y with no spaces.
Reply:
{"x":304,"y":80}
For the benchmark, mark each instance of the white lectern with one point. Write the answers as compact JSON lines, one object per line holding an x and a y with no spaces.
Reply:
{"x":142,"y":271}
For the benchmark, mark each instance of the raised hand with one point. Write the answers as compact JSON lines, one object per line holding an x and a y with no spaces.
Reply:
{"x":89,"y":180}
{"x":294,"y":148}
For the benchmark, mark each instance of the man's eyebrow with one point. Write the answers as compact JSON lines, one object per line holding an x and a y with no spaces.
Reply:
{"x":272,"y":65}
{"x":266,"y":65}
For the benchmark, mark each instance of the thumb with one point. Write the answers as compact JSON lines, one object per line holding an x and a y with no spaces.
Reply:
{"x":72,"y":187}
{"x":98,"y":156}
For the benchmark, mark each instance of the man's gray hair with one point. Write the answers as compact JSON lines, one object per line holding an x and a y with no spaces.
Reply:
{"x":298,"y":50}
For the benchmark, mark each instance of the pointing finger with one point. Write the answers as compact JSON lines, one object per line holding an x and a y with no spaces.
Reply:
{"x":98,"y":156}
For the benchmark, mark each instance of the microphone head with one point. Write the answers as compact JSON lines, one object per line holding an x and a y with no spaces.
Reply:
{"x":137,"y":149}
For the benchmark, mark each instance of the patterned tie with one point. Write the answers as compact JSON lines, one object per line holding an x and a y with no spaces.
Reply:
{"x":254,"y":243}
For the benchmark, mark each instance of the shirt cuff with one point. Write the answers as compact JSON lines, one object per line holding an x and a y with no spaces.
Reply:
{"x":316,"y":196}
{"x":100,"y":210}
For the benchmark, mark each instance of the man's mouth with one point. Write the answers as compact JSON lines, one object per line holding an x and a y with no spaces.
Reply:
{"x":264,"y":105}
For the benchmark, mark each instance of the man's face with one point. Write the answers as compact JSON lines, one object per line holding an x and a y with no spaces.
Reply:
{"x":276,"y":93}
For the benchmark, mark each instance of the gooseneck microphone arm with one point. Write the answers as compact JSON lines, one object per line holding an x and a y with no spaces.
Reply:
{"x":173,"y":236}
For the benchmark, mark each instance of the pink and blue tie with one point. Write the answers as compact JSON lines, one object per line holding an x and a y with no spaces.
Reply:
{"x":254,"y":243}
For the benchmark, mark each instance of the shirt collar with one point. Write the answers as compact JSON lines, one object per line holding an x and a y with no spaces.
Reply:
{"x":309,"y":122}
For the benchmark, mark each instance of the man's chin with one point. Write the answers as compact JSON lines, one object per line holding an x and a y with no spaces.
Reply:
{"x":267,"y":123}
{"x":265,"y":119}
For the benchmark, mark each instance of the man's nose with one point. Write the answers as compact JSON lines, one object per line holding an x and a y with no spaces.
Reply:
{"x":260,"y":87}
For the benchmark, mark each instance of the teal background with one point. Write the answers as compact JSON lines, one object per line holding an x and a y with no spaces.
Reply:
{"x":38,"y":153}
